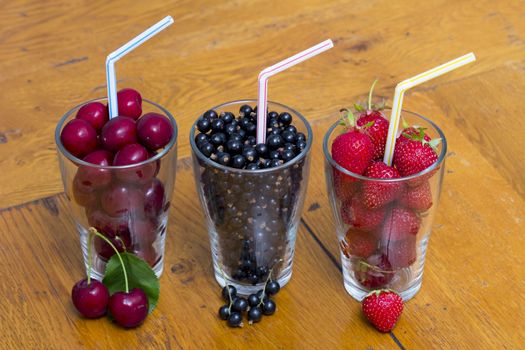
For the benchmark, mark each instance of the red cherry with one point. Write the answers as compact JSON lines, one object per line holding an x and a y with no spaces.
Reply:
{"x":131,"y":154}
{"x":91,"y":300}
{"x":118,"y":132}
{"x":143,"y":233}
{"x":79,"y":137}
{"x":129,"y":103}
{"x":95,"y":177}
{"x":154,"y":130}
{"x":153,"y":192}
{"x":95,"y":113}
{"x":84,"y":193}
{"x":129,"y":309}
{"x":120,"y":199}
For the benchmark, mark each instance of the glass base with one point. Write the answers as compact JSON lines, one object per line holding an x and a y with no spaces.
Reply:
{"x":359,"y":294}
{"x":247,"y":289}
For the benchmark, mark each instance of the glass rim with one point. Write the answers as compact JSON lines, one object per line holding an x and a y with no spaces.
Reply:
{"x":196,"y":151}
{"x":79,"y":161}
{"x":439,"y":161}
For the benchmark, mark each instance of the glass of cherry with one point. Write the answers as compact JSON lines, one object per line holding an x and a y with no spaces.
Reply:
{"x":118,"y":176}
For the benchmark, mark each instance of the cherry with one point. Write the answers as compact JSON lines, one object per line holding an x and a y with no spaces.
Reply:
{"x":84,"y":195}
{"x":118,"y":132}
{"x":153,"y":192}
{"x":131,"y":154}
{"x":120,"y":199}
{"x":129,"y":103}
{"x":95,"y":177}
{"x":154,"y":131}
{"x":129,"y":309}
{"x":79,"y":137}
{"x":90,"y":298}
{"x":143,"y":231}
{"x":95,"y":113}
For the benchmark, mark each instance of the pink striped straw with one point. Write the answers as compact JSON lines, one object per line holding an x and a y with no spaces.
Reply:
{"x":266,"y":73}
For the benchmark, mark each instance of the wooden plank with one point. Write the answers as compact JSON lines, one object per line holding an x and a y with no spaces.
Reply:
{"x":52,"y":54}
{"x":41,"y":260}
{"x":473,"y":281}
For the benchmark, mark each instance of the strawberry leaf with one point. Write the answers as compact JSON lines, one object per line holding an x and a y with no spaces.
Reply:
{"x":405,"y":123}
{"x":434,"y":143}
{"x":358,"y":107}
{"x":140,"y":275}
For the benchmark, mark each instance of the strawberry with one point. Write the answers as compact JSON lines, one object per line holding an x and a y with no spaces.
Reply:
{"x":374,"y":272}
{"x":417,"y":198}
{"x":413,"y":153}
{"x":375,"y":193}
{"x":382,"y":308}
{"x":353,"y":150}
{"x":400,"y":254}
{"x":354,"y":213}
{"x":400,"y":223}
{"x":344,"y":186}
{"x":374,"y":124}
{"x":358,"y":243}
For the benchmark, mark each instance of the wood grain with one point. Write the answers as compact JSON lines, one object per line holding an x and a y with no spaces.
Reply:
{"x":52,"y":58}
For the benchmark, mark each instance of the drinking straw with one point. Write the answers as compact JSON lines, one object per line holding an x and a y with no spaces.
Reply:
{"x":409,"y":83}
{"x":277,"y":68}
{"x":121,"y":52}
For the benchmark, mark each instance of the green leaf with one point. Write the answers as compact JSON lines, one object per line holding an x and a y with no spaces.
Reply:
{"x":140,"y":275}
{"x":358,"y":107}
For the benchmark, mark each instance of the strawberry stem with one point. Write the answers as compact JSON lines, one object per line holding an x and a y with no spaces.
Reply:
{"x":370,"y":93}
{"x":94,"y":231}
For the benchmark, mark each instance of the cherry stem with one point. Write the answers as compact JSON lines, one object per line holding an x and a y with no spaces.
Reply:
{"x":90,"y":249}
{"x":370,"y":95}
{"x":98,"y":234}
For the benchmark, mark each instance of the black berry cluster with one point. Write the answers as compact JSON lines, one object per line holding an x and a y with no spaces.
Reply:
{"x":231,"y":141}
{"x":255,"y":306}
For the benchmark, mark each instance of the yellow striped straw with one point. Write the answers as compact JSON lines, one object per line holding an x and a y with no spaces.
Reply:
{"x":407,"y":84}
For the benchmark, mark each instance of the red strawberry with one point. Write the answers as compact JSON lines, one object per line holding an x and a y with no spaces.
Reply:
{"x":377,"y":194}
{"x":417,"y":198}
{"x":358,"y":243}
{"x":374,"y":272}
{"x":354,"y":213}
{"x":399,"y":224}
{"x":413,"y":153}
{"x":376,"y":127}
{"x":400,"y":254}
{"x":344,"y":186}
{"x":352,"y":150}
{"x":382,"y":308}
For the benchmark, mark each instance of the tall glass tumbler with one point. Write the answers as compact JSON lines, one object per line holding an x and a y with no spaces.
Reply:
{"x":384,"y":247}
{"x":127,"y":204}
{"x":252,"y":215}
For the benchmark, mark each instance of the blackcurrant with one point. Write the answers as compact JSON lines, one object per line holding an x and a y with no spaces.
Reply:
{"x":268,"y":307}
{"x":274,"y":141}
{"x":253,"y":278}
{"x":272,"y":287}
{"x":203,"y":125}
{"x":217,"y":125}
{"x":288,"y":155}
{"x":300,"y":136}
{"x":233,"y":146}
{"x":250,"y":154}
{"x":238,"y":161}
{"x":275,"y":163}
{"x":301,"y":145}
{"x":285,"y":118}
{"x":255,"y":314}
{"x":218,"y":139}
{"x":274,"y":155}
{"x":235,"y":319}
{"x":261,"y":149}
{"x":240,"y":305}
{"x":224,"y":312}
{"x":223,"y":158}
{"x":273,"y":115}
{"x":251,"y":140}
{"x":230,"y":128}
{"x":291,"y":128}
{"x":252,"y":166}
{"x":206,"y":148}
{"x":232,"y":293}
{"x":288,"y":137}
{"x":200,"y":138}
{"x":211,"y":114}
{"x":253,"y":300}
{"x":250,"y":128}
{"x":245,"y":110}
{"x":227,"y":117}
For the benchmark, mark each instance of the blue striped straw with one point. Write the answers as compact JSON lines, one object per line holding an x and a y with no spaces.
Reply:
{"x":121,"y":52}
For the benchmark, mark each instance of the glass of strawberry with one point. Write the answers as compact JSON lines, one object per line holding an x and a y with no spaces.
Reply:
{"x":119,"y":175}
{"x":383,"y":214}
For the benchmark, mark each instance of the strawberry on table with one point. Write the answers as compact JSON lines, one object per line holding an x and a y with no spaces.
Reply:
{"x":417,"y":198}
{"x":355,"y":213}
{"x":358,"y":243}
{"x":383,"y":309}
{"x":377,"y":194}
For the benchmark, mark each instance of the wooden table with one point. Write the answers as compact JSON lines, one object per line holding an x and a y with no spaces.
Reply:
{"x":52,"y":57}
